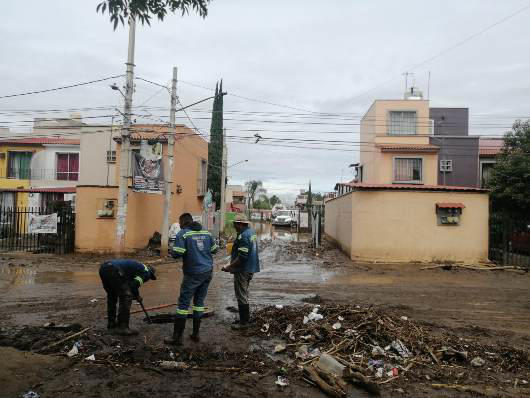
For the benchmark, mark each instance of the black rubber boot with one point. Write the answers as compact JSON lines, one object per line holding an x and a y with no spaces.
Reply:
{"x":178,"y":332}
{"x":244,"y":317}
{"x":124,"y":316}
{"x":111,"y":311}
{"x":196,"y":327}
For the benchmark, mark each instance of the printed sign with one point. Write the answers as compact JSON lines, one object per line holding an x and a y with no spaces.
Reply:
{"x":148,"y":171}
{"x":44,"y":224}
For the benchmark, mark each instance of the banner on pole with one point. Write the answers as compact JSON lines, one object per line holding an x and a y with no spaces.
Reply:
{"x":43,"y":224}
{"x":148,"y":171}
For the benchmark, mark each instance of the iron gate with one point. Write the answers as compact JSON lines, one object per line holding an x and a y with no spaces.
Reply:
{"x":15,"y":234}
{"x":509,"y":242}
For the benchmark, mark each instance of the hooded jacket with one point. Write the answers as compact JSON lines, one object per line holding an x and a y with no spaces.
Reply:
{"x":196,"y":247}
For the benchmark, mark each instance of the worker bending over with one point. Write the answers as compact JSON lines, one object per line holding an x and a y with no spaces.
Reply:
{"x":121,"y":279}
{"x":196,"y":247}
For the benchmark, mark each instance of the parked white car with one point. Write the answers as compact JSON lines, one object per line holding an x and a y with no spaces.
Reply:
{"x":284,"y":218}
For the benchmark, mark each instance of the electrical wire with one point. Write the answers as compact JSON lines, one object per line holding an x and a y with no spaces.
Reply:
{"x":61,"y":88}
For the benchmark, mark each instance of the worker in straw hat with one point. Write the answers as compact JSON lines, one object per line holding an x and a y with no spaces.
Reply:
{"x":244,"y":263}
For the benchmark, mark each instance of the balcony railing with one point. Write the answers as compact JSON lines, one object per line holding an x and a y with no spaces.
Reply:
{"x":40,"y":174}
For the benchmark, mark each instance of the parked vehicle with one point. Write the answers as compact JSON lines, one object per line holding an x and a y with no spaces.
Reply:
{"x":284,"y":218}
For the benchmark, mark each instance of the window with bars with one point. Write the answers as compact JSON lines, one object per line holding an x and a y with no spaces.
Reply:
{"x":111,"y":156}
{"x":402,"y":123}
{"x":446,"y":165}
{"x":67,"y":167}
{"x":408,"y":170}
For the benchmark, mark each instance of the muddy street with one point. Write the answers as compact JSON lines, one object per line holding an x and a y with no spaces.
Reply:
{"x":488,"y":311}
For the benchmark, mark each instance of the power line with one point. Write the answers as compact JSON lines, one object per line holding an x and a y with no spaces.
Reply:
{"x":61,"y":88}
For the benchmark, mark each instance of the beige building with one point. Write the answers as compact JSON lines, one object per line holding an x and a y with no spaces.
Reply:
{"x":410,"y":223}
{"x":394,"y":210}
{"x":97,"y":204}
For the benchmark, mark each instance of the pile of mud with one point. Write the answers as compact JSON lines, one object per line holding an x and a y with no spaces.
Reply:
{"x":390,"y":349}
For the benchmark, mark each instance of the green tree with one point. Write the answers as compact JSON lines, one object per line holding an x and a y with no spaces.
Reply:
{"x":510,"y":177}
{"x":144,"y":10}
{"x":262,"y":203}
{"x":215,"y":147}
{"x":274,"y":200}
{"x":253,"y":187}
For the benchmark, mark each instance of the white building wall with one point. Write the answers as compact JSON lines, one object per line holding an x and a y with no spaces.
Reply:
{"x":95,"y":142}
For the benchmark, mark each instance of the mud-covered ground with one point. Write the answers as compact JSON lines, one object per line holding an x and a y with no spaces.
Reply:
{"x":477,"y":308}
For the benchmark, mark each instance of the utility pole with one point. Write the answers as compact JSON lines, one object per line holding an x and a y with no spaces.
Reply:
{"x":223,"y":185}
{"x":169,"y":167}
{"x":121,"y":222}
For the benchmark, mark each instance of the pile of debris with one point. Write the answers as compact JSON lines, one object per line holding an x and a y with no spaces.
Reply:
{"x":330,"y":344}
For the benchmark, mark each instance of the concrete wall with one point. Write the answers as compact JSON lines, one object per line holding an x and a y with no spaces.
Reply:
{"x":464,"y":153}
{"x":402,"y":226}
{"x":144,"y":214}
{"x":339,"y":222}
{"x":450,"y":121}
{"x":95,"y":142}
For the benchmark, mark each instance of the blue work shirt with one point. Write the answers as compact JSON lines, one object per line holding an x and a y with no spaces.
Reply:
{"x":246,"y":247}
{"x":134,"y":271}
{"x":196,"y":247}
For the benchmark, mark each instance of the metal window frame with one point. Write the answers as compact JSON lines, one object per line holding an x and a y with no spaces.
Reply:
{"x":447,"y":165}
{"x":389,"y":121}
{"x":111,"y":156}
{"x":417,"y":182}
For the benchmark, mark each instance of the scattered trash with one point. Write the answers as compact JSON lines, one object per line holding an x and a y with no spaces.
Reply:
{"x":330,"y":365}
{"x":91,"y":358}
{"x":306,"y":319}
{"x":478,"y":362}
{"x":375,"y":363}
{"x":282,"y":381}
{"x":288,"y":328}
{"x":314,"y":316}
{"x":400,"y":390}
{"x":337,"y":326}
{"x":390,"y":373}
{"x":378,"y":351}
{"x":449,"y":353}
{"x":73,"y":352}
{"x":265,"y":328}
{"x":174,"y":365}
{"x":292,"y":336}
{"x":253,"y":373}
{"x":350,"y":332}
{"x":379,"y":373}
{"x":94,"y":300}
{"x":395,"y":372}
{"x":279,"y":306}
{"x":404,"y":318}
{"x":315,"y":353}
{"x":308,"y":337}
{"x":302,"y":352}
{"x":341,"y":318}
{"x":400,"y":348}
{"x":31,"y":394}
{"x":279,"y":348}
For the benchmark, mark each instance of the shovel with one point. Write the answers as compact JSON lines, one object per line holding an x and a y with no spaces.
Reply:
{"x":145,"y":312}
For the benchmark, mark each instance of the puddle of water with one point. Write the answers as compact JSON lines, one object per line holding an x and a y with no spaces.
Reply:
{"x":267,"y":231}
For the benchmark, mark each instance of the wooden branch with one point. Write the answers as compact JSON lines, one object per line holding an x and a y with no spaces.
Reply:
{"x":65,"y":339}
{"x":459,"y":388}
{"x":325,"y":387}
{"x":360,"y":380}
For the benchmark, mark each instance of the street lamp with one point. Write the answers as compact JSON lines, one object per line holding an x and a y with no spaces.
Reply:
{"x":235,"y":164}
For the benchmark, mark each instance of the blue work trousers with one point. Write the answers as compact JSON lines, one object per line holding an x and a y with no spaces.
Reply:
{"x":193,"y":286}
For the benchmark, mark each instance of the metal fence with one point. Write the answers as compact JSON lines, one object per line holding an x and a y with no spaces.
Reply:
{"x":16,"y":234}
{"x":509,"y":240}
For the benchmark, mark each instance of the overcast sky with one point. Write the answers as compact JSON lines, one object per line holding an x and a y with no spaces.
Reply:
{"x":335,"y":59}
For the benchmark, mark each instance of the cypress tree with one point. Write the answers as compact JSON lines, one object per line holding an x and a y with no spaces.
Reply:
{"x":215,"y":147}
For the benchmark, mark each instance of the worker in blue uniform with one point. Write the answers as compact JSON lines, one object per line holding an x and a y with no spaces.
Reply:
{"x":121,"y":280}
{"x":195,"y":246}
{"x":244,"y":263}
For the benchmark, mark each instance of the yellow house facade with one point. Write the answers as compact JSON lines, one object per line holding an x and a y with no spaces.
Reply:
{"x":15,"y":159}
